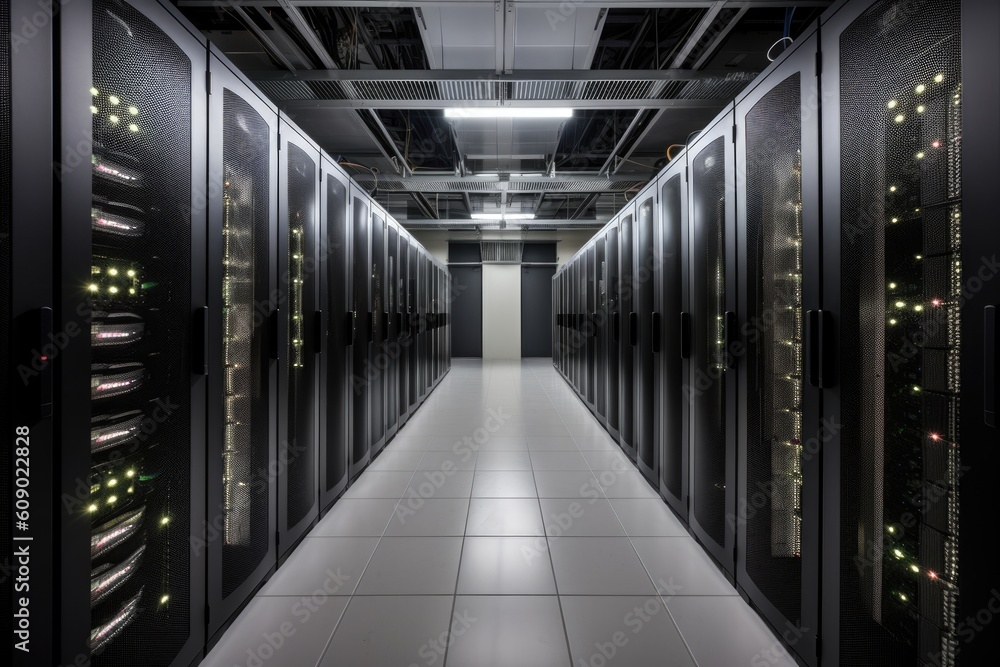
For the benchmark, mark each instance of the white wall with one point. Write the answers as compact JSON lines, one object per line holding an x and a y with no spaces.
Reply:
{"x":501,"y":311}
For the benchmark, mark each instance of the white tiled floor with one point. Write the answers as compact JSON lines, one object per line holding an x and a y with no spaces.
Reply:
{"x":500,"y":528}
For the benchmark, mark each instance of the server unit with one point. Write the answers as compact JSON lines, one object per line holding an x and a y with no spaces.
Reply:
{"x":362,"y":317}
{"x":242,"y":370}
{"x":374,"y":377}
{"x":390,"y":365}
{"x":600,"y":330}
{"x":714,"y":335}
{"x":671,"y":337}
{"x":403,"y":325}
{"x":777,"y":518}
{"x":613,"y":288}
{"x":644,"y":396}
{"x":133,"y":280}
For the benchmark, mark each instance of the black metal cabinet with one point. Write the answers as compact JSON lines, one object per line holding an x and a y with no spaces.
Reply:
{"x":362,"y":312}
{"x":629,"y":329}
{"x":336,"y":372}
{"x":391,"y":351}
{"x":132,"y":92}
{"x":613,"y":288}
{"x":714,"y":338}
{"x":600,"y":326}
{"x":589,"y":317}
{"x":645,"y":264}
{"x":404,"y":332}
{"x":375,"y":372}
{"x":298,"y":338}
{"x":242,"y":374}
{"x":671,"y":337}
{"x":413,"y":326}
{"x":908,"y":281}
{"x":777,"y":518}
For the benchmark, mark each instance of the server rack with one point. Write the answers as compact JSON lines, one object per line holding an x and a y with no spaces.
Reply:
{"x":671,"y":338}
{"x":299,"y":342}
{"x":909,"y":308}
{"x":600,"y":326}
{"x":714,"y":337}
{"x":336,"y":386}
{"x":588,"y":327}
{"x":361,"y":347}
{"x":413,"y":325}
{"x":134,"y":279}
{"x":242,"y":375}
{"x":375,"y":374}
{"x":391,"y":351}
{"x":646,"y":262}
{"x":405,"y":337}
{"x":777,"y":522}
{"x":613,"y":289}
{"x":628,"y":328}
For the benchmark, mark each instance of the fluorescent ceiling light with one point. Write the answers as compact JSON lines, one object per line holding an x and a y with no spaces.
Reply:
{"x":508,"y":112}
{"x":503,"y":216}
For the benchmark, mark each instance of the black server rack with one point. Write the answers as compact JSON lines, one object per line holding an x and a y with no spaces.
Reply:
{"x":671,"y":338}
{"x":132,"y":91}
{"x":413,"y":326}
{"x":298,"y":334}
{"x":336,"y":386}
{"x":600,"y":326}
{"x":588,"y":327}
{"x":646,"y":262}
{"x":613,"y":288}
{"x":574,"y":328}
{"x":628,"y":328}
{"x":405,"y":337}
{"x":6,"y":327}
{"x":777,"y":521}
{"x":361,"y":342}
{"x":909,"y":287}
{"x":375,"y":375}
{"x":714,"y":333}
{"x":390,"y":364}
{"x":242,"y":374}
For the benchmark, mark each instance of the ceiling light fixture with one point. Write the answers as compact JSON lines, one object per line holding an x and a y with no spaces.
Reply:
{"x":508,"y":112}
{"x":503,"y":216}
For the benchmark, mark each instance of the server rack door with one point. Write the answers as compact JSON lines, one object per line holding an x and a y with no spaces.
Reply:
{"x":134,"y":278}
{"x":298,"y":218}
{"x":391,"y":351}
{"x":588,"y":327}
{"x":435,"y":323}
{"x":777,"y":154}
{"x":671,"y":426}
{"x":614,"y":331}
{"x":893,"y":246}
{"x":405,"y":338}
{"x":361,"y":292}
{"x":338,"y":322}
{"x":600,"y":329}
{"x":574,"y":331}
{"x":425,"y":327}
{"x":413,"y":326}
{"x":375,"y":374}
{"x":981,"y":353}
{"x":242,"y":377}
{"x":713,"y":307}
{"x":645,"y":269}
{"x":6,"y":275}
{"x":629,"y":331}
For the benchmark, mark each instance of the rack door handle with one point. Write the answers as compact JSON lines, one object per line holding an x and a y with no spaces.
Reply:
{"x":45,"y":336}
{"x":633,"y":329}
{"x":729,"y":338}
{"x":655,"y":328}
{"x":991,"y":357}
{"x":201,"y":347}
{"x":685,"y":335}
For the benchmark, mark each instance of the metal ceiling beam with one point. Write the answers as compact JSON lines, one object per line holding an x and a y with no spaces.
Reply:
{"x":425,"y":205}
{"x":696,"y":35}
{"x":388,"y":145}
{"x":289,"y":42}
{"x":638,"y":140}
{"x":584,"y":75}
{"x":587,"y":202}
{"x":271,"y":47}
{"x":719,"y":38}
{"x":555,"y":4}
{"x":642,"y":103}
{"x":561,"y":177}
{"x":295,"y":14}
{"x":610,"y":162}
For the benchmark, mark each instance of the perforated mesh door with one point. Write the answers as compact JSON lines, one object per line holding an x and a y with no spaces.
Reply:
{"x":708,"y":193}
{"x":245,"y":441}
{"x":901,"y":288}
{"x":301,"y":286}
{"x":614,"y":330}
{"x":391,"y":350}
{"x":141,"y":275}
{"x":361,"y":250}
{"x":375,"y":371}
{"x":643,"y":352}
{"x":338,"y":394}
{"x":601,"y":327}
{"x":413,"y":264}
{"x":626,"y":387}
{"x":588,"y":331}
{"x":671,"y":305}
{"x":405,"y":342}
{"x":775,"y":366}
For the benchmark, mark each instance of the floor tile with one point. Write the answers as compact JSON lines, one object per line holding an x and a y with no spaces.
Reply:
{"x":412,"y":566}
{"x":624,"y":631}
{"x":278,"y":630}
{"x":598,"y":566}
{"x":625,"y":484}
{"x":396,"y":460}
{"x":464,"y":459}
{"x":504,"y":517}
{"x":322,"y":566}
{"x":375,"y":484}
{"x":505,"y":566}
{"x":360,"y":517}
{"x":503,"y":460}
{"x":502,"y":443}
{"x":748,"y":641}
{"x":508,"y":631}
{"x":387,"y":631}
{"x":580,"y":517}
{"x":647,"y":517}
{"x":598,"y":443}
{"x":504,"y":484}
{"x":440,"y":484}
{"x":608,"y":460}
{"x":415,"y":517}
{"x":551,"y":443}
{"x":567,"y":484}
{"x":558,"y":461}
{"x":682,"y":565}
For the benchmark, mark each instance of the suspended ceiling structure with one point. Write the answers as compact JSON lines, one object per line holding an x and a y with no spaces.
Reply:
{"x":592,"y":93}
